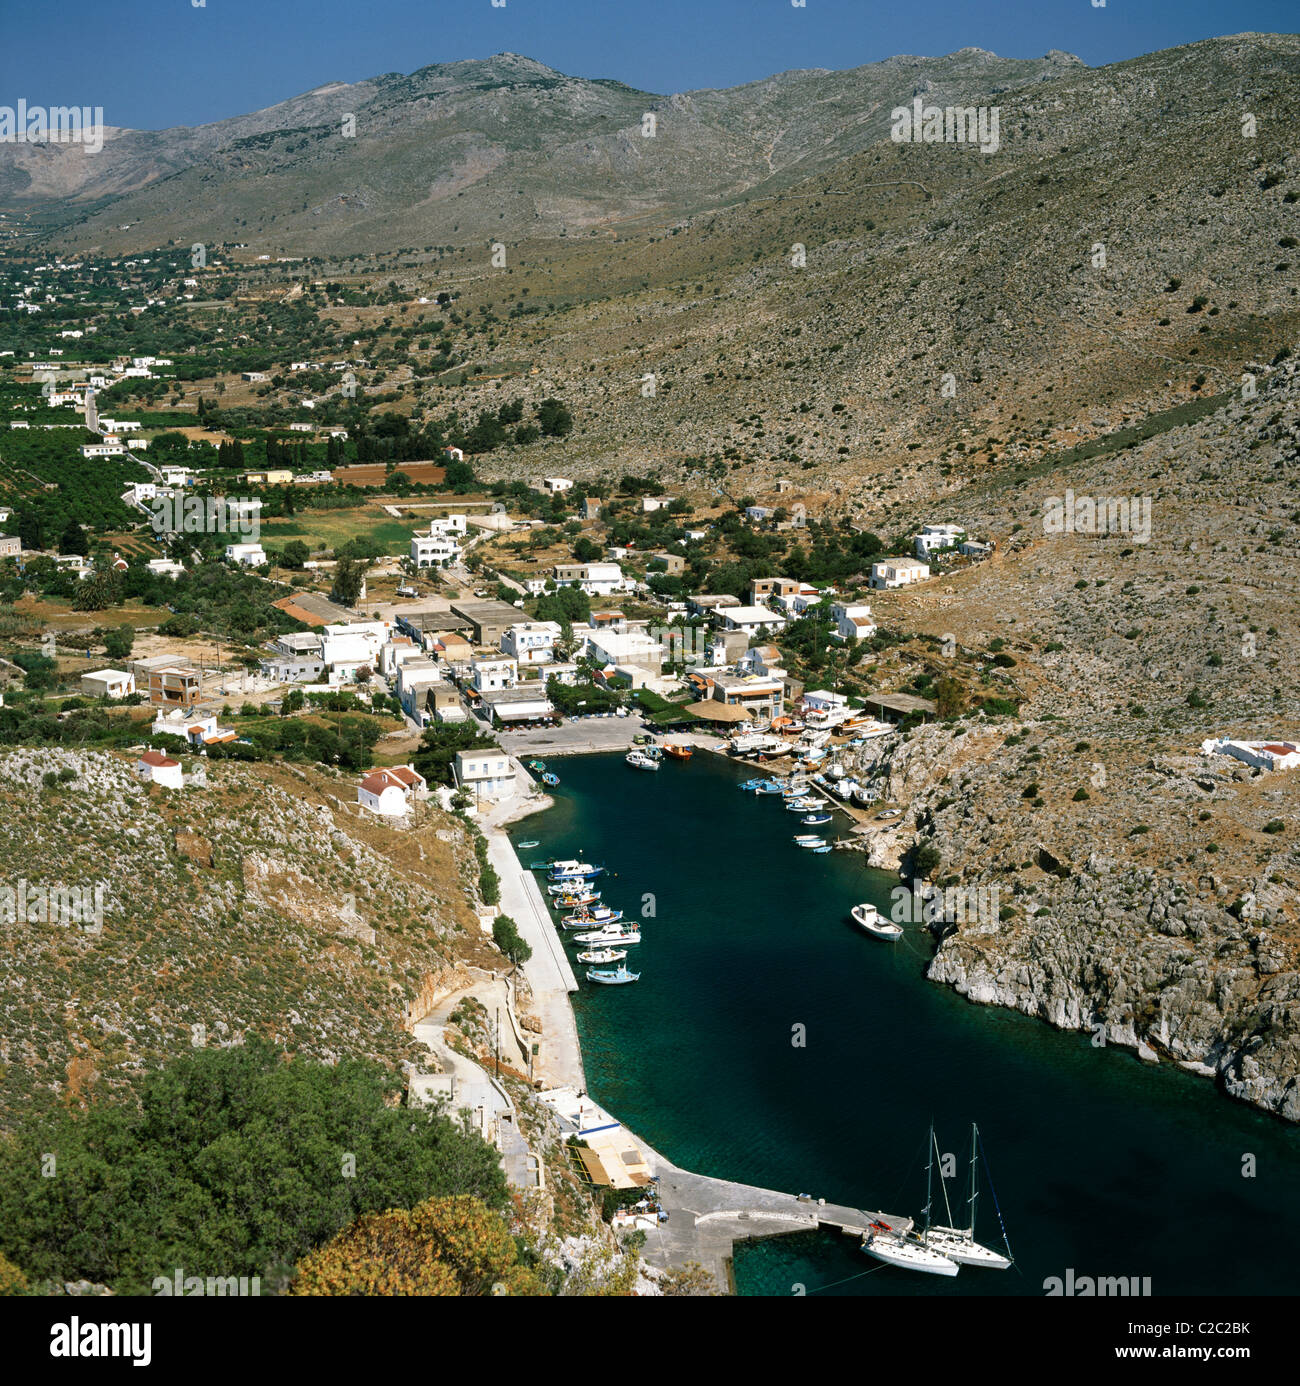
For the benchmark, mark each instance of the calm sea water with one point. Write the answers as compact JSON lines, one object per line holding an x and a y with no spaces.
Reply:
{"x":1099,"y":1162}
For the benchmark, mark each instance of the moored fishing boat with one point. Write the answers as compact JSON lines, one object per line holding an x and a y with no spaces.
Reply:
{"x":578,"y":901}
{"x":640,"y":760}
{"x":549,"y":779}
{"x":582,"y":919}
{"x":602,"y":955}
{"x":612,"y":977}
{"x":523,"y":845}
{"x":869,"y":918}
{"x":801,"y":838}
{"x":678,"y":750}
{"x":572,"y":870}
{"x":815,"y":819}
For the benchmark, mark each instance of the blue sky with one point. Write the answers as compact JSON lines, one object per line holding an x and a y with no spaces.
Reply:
{"x":153,"y":63}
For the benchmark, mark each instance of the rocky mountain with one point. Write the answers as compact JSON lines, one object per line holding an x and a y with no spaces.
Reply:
{"x":499,"y":147}
{"x":291,"y":918}
{"x":1146,"y":894}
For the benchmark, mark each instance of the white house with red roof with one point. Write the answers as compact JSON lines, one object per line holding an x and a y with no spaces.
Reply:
{"x":157,"y":768}
{"x":390,"y":792}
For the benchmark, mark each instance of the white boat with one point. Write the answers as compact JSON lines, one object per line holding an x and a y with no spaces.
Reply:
{"x":815,"y":844}
{"x":573,"y":870}
{"x":638,"y":760}
{"x":611,"y":933}
{"x":958,"y":1243}
{"x":864,"y":794}
{"x":870,"y":918}
{"x":910,"y":1250}
{"x":906,"y":1251}
{"x":811,"y":838}
{"x":612,"y":977}
{"x":603,"y":955}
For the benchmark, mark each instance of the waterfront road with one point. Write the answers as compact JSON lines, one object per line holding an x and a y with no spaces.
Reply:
{"x":550,"y":977}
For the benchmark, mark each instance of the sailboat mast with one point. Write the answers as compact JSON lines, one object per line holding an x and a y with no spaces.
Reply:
{"x":929,"y":1173}
{"x":974,"y":1186}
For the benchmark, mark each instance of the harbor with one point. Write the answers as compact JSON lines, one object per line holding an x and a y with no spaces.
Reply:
{"x":771,"y":1045}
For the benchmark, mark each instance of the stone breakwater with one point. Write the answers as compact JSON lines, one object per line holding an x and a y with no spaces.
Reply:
{"x":1117,"y":917}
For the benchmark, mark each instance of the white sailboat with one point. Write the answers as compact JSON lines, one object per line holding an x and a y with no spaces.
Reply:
{"x":910,"y":1250}
{"x":958,"y":1243}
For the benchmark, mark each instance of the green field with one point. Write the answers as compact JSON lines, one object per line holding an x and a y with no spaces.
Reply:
{"x":334,"y":528}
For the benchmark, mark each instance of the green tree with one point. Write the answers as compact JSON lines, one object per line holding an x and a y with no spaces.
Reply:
{"x":239,"y":1159}
{"x":437,"y":751}
{"x":506,"y":936}
{"x":73,"y":540}
{"x":349,"y":574}
{"x":119,"y":641}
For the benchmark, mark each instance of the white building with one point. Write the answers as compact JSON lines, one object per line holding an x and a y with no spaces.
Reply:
{"x":852,"y":621}
{"x":531,"y":642}
{"x":1263,"y":755}
{"x":486,"y":774}
{"x":103,"y":450}
{"x":246,"y":555}
{"x":165,"y":567}
{"x":433,"y":550}
{"x":488,"y":673}
{"x":933,"y":538}
{"x":108,"y":683}
{"x":553,"y":485}
{"x":180,"y":476}
{"x":898,"y":572}
{"x":391,"y":792}
{"x":624,"y":647}
{"x":751,"y":619}
{"x":157,"y":768}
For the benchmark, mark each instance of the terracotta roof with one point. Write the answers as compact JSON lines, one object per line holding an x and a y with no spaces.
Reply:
{"x":379,"y":780}
{"x":158,"y":759}
{"x":406,"y":775}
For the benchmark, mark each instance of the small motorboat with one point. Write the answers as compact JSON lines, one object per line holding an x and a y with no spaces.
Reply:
{"x":538,"y":765}
{"x":809,"y":840}
{"x":823,"y":849}
{"x":612,"y":977}
{"x":585,"y":918}
{"x":551,"y":780}
{"x":574,"y":887}
{"x":577,"y":902}
{"x":640,"y":760}
{"x":602,"y":955}
{"x":617,"y":934}
{"x":678,"y":751}
{"x":815,"y":819}
{"x":805,"y":805}
{"x":573,"y":870}
{"x":523,"y":845}
{"x":869,"y":918}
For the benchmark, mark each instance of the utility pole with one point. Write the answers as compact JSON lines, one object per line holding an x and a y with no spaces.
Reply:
{"x":498,"y":1041}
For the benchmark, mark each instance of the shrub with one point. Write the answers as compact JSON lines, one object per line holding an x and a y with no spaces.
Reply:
{"x":1081,"y":794}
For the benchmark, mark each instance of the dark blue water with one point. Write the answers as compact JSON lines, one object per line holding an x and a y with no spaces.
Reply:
{"x":1100,"y":1163}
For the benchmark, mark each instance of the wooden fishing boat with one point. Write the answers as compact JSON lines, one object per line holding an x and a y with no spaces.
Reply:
{"x":678,"y":752}
{"x":612,"y":977}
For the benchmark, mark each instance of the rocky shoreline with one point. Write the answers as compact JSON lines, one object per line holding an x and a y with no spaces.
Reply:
{"x":1193,"y":966}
